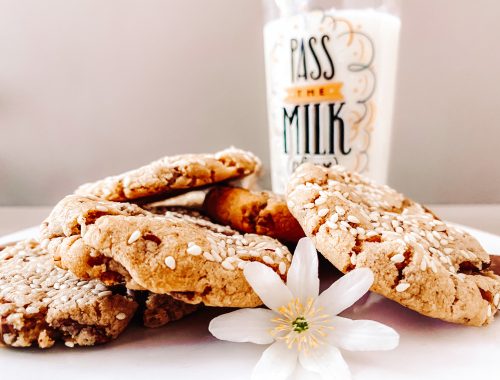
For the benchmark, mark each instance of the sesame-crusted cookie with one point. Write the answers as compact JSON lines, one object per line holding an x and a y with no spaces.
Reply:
{"x":41,"y":303}
{"x":185,"y":256}
{"x":259,"y":212}
{"x":418,"y":260}
{"x":169,"y":175}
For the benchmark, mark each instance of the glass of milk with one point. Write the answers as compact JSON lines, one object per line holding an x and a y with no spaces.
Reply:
{"x":330,"y":72}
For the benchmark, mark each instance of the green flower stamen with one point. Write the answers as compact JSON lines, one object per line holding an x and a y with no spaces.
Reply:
{"x":300,"y":325}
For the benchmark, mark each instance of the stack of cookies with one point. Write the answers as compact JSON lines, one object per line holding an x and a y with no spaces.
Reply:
{"x":146,"y":244}
{"x":106,"y":253}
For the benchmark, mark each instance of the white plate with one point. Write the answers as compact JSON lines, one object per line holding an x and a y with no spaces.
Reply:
{"x":429,"y":349}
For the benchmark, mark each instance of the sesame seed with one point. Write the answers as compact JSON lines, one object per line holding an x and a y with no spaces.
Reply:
{"x":278,"y":252}
{"x":308,"y":206}
{"x":423,"y":265}
{"x":69,"y":344}
{"x":489,"y":312}
{"x":354,"y":259}
{"x":134,"y":237}
{"x":323,"y":212}
{"x":208,"y":256}
{"x":227,"y":265}
{"x":282,"y":269}
{"x":402,"y":286}
{"x":399,"y":258}
{"x":340,"y":210}
{"x":194,"y":249}
{"x":105,"y":293}
{"x":432,"y":264}
{"x":353,"y":219}
{"x":170,"y":262}
{"x":268,"y":260}
{"x":320,"y":201}
{"x":121,"y":316}
{"x":496,"y":299}
{"x":448,"y":251}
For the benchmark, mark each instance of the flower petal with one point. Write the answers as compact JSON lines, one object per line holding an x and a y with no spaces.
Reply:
{"x":345,"y":291}
{"x":268,"y":285}
{"x":244,"y":325}
{"x":302,"y":279}
{"x":327,"y":361}
{"x":276,"y":363}
{"x":362,"y":335}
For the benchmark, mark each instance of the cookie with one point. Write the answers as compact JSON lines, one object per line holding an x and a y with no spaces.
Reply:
{"x":187,"y":257}
{"x":263,"y":213}
{"x":41,"y":303}
{"x":417,"y":259}
{"x":169,"y":175}
{"x":159,"y":309}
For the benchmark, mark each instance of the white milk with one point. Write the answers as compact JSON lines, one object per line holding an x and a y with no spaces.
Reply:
{"x":330,"y":83}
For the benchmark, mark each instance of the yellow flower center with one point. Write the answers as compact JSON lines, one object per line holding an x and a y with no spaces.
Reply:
{"x":302,"y":325}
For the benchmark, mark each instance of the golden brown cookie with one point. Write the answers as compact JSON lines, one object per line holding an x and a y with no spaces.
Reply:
{"x":41,"y":303}
{"x":262,"y":212}
{"x":170,"y":175}
{"x":187,"y":257}
{"x":417,"y":259}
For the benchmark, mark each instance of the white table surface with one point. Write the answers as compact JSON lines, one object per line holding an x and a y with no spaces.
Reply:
{"x":429,"y":348}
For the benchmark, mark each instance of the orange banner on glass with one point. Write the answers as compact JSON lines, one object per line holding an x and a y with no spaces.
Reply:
{"x":315,"y":93}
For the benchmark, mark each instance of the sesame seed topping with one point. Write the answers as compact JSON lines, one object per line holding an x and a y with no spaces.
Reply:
{"x":268,"y":260}
{"x":423,"y":265}
{"x":353,"y":219}
{"x":134,"y":237}
{"x":208,"y":256}
{"x":170,"y":262}
{"x":402,"y":286}
{"x":399,"y":258}
{"x":194,"y":249}
{"x":448,"y":251}
{"x":121,"y":316}
{"x":340,"y":210}
{"x":282,"y":269}
{"x":69,"y":344}
{"x":227,"y":265}
{"x":496,"y":300}
{"x":320,"y":201}
{"x":354,"y":259}
{"x":308,"y":206}
{"x":489,"y":312}
{"x":323,"y":212}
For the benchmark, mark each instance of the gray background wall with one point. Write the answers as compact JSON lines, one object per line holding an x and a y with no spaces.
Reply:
{"x":93,"y":87}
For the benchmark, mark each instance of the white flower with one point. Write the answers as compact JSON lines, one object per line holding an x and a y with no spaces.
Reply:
{"x":302,"y":325}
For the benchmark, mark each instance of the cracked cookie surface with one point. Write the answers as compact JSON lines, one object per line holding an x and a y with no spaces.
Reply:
{"x":259,"y":212}
{"x":41,"y":303}
{"x":169,"y":175}
{"x":186,"y":256}
{"x":418,"y":260}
